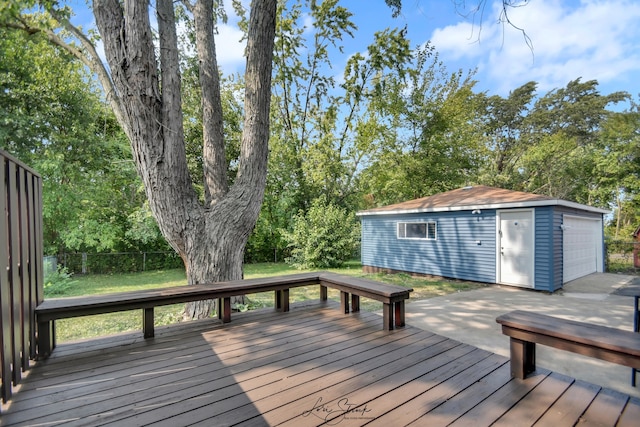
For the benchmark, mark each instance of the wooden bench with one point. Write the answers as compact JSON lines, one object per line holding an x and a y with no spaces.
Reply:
{"x":392,"y":297}
{"x":526,"y":329}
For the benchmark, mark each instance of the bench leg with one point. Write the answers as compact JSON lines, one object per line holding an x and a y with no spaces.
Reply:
{"x":323,"y":293}
{"x":523,"y":357}
{"x":226,"y":310}
{"x":46,"y":338}
{"x":387,"y":317}
{"x":344,"y":302}
{"x":399,"y":314}
{"x":355,"y":303}
{"x":636,"y":328}
{"x":282,"y":300}
{"x":278,"y":300}
{"x":147,"y":322}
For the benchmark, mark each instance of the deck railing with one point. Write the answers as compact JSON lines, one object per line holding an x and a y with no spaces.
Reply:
{"x":21,"y":287}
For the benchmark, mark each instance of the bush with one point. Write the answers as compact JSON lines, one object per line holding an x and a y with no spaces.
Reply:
{"x":325,"y":237}
{"x":58,"y":282}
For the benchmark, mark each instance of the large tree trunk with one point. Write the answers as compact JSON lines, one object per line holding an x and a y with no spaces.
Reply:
{"x":210,"y":238}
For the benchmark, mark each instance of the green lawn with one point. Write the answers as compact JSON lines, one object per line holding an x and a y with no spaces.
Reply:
{"x":107,"y":324}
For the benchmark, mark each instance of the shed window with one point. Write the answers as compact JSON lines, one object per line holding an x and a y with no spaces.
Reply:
{"x":417,"y":230}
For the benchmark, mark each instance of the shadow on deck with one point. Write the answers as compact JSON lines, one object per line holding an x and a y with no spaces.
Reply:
{"x":309,"y":366}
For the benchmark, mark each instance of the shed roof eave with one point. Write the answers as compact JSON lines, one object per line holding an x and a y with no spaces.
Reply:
{"x":511,"y":205}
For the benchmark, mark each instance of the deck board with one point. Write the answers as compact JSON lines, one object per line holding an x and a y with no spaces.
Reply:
{"x":310,"y":366}
{"x":424,"y":395}
{"x":296,"y":383}
{"x":568,"y":407}
{"x":467,"y":399}
{"x":500,"y":402}
{"x":630,"y":414}
{"x":528,"y":411}
{"x":605,"y":409}
{"x":355,"y":387}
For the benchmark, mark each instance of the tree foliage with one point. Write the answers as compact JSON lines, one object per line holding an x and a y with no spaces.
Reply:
{"x":316,"y":149}
{"x":617,"y":165}
{"x":429,"y":140}
{"x":549,"y":144}
{"x":324,"y":237}
{"x":52,"y":116}
{"x":322,"y":133}
{"x":393,"y":124}
{"x":142,"y":82}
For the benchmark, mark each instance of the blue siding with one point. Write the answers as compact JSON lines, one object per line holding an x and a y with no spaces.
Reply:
{"x":465,"y":246}
{"x":557,"y":261}
{"x":456,"y":253}
{"x":545,"y":275}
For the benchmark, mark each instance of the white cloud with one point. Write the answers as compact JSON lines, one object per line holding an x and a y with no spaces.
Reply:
{"x":229,"y":49}
{"x":307,"y":23}
{"x":590,"y":39}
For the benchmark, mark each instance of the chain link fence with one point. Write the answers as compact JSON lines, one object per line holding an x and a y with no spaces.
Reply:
{"x":115,"y":262}
{"x":623,"y":257}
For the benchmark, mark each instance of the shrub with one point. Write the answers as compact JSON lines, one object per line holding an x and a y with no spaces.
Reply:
{"x":325,"y":237}
{"x":58,"y":282}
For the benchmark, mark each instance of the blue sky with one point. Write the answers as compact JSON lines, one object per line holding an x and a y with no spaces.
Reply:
{"x":570,"y":39}
{"x":590,"y":39}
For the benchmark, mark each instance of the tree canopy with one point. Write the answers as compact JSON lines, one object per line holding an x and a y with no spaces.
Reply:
{"x":52,"y":116}
{"x":163,"y":131}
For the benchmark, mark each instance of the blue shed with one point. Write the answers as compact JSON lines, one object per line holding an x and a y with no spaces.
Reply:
{"x":486,"y":234}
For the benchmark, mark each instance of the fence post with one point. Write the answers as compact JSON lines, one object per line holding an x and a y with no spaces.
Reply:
{"x":84,"y":263}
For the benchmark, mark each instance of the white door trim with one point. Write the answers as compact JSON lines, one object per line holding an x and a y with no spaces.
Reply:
{"x":531,"y":257}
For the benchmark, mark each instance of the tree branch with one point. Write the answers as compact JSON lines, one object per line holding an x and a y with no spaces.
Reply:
{"x":89,"y":56}
{"x":213,"y":148}
{"x":91,"y":59}
{"x":503,"y":18}
{"x":254,"y":149}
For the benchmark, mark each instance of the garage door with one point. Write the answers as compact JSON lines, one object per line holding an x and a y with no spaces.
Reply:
{"x":582,"y":247}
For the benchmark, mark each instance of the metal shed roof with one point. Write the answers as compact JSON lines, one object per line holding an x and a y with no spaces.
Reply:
{"x":476,"y":197}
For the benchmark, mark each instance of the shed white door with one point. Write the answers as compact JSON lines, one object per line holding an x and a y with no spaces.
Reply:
{"x":516,"y":248}
{"x":581,"y":247}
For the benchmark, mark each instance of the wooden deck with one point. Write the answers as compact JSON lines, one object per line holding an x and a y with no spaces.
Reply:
{"x":310,"y":366}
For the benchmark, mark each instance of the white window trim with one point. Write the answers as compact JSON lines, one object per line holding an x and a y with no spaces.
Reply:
{"x":400,"y":224}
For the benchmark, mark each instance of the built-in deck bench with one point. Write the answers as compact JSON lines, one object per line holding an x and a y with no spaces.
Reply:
{"x":351,"y":289}
{"x":526,"y":329}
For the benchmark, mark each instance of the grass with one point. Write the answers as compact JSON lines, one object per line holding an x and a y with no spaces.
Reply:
{"x":94,"y":284}
{"x":622,"y":264}
{"x":108,"y":324}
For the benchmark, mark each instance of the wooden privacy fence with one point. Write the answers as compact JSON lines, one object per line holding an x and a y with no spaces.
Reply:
{"x":21,"y":277}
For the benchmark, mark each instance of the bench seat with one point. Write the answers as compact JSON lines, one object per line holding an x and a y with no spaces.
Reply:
{"x":526,"y":329}
{"x":392,"y":297}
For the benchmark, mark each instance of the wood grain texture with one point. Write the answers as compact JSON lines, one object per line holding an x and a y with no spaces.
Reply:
{"x":526,"y":329}
{"x":310,"y":366}
{"x":350,"y":289}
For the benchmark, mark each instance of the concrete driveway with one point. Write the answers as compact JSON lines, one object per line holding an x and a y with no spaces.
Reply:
{"x":470,"y":316}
